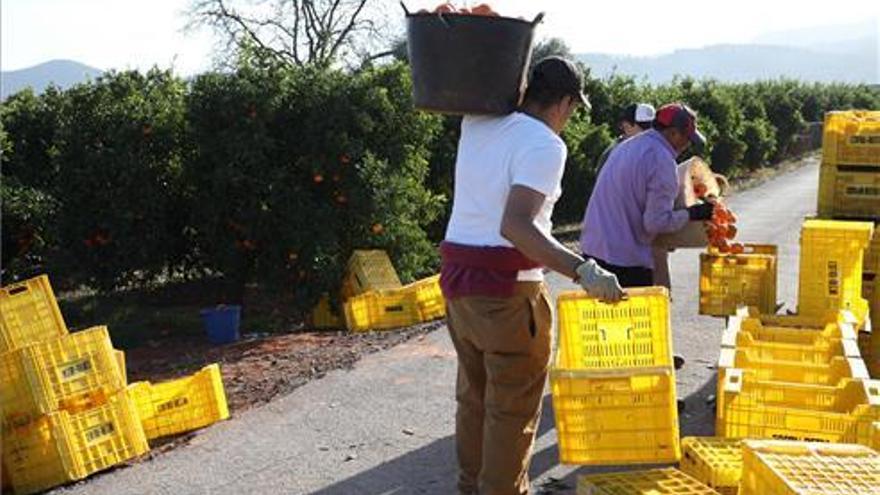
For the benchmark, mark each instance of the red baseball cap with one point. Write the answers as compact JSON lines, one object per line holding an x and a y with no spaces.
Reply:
{"x":681,"y":117}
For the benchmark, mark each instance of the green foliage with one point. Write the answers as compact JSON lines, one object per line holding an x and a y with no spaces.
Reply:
{"x":760,"y":138}
{"x":585,"y":143}
{"x":27,"y":214}
{"x":310,"y":165}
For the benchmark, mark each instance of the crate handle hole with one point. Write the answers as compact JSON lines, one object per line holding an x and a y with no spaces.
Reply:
{"x":18,"y":290}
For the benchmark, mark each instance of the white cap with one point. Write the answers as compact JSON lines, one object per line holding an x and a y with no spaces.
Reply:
{"x":645,"y":112}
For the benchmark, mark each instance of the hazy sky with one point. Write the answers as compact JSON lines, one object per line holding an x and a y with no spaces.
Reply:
{"x":141,"y":33}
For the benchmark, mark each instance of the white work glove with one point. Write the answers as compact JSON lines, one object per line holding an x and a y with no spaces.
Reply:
{"x":598,"y":282}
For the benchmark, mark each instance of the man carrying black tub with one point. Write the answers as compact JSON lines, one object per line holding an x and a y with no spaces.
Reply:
{"x":508,"y":175}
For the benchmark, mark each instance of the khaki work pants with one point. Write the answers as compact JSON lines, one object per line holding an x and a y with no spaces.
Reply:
{"x":503,"y":347}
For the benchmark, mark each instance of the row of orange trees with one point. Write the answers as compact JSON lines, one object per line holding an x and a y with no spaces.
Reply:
{"x":273,"y":175}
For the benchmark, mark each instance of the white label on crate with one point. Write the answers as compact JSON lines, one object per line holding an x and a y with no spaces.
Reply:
{"x":98,"y":432}
{"x":172,"y":404}
{"x":862,"y":191}
{"x":75,"y":369}
{"x":865,"y":140}
{"x":833,"y":279}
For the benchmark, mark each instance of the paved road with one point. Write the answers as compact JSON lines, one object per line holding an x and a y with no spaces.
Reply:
{"x":386,"y":426}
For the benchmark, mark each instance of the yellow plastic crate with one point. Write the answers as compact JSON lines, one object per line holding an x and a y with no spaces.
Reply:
{"x":28,"y":314}
{"x":831,"y":266}
{"x":369,"y":270}
{"x":596,"y":335}
{"x":790,"y":353}
{"x":62,"y":446}
{"x":728,"y":281}
{"x":616,"y":416}
{"x":821,"y":351}
{"x":429,"y":298}
{"x":381,"y":310}
{"x":760,"y":331}
{"x":838,"y":369}
{"x":849,"y":191}
{"x":323,"y":316}
{"x":800,"y":468}
{"x":666,"y":481}
{"x":851,"y":137}
{"x":814,"y":321}
{"x":70,"y":373}
{"x":181,"y":405}
{"x":760,"y":409}
{"x":784,"y":329}
{"x":716,"y":462}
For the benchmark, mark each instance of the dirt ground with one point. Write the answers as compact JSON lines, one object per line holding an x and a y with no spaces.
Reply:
{"x":255,"y":370}
{"x":162,"y":336}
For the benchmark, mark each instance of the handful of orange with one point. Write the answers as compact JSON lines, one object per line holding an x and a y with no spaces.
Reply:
{"x":721,"y":229}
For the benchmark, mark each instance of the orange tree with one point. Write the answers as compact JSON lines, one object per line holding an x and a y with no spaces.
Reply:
{"x":106,"y":156}
{"x":120,"y":153}
{"x":293,"y":168}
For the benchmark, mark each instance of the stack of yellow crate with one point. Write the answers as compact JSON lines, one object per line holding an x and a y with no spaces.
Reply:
{"x":849,"y":179}
{"x":795,"y":378}
{"x":831,"y":262}
{"x":613,"y":381}
{"x":368,"y":270}
{"x":849,"y":189}
{"x":833,"y":257}
{"x":63,"y":406}
{"x":374,"y":299}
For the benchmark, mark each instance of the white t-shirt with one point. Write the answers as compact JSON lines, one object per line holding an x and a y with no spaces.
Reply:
{"x":494,"y":154}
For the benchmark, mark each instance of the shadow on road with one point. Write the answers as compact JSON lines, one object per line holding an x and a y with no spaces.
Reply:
{"x":697,"y":419}
{"x":432,"y":468}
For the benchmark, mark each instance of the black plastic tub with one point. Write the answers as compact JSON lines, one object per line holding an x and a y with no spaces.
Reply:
{"x":468,"y":64}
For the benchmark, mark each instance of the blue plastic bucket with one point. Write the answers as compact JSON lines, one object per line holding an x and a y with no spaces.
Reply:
{"x":221,"y":323}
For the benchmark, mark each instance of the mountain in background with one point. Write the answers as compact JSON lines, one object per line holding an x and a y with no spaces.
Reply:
{"x":62,"y":73}
{"x":838,"y":53}
{"x":836,"y":38}
{"x":845,"y":53}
